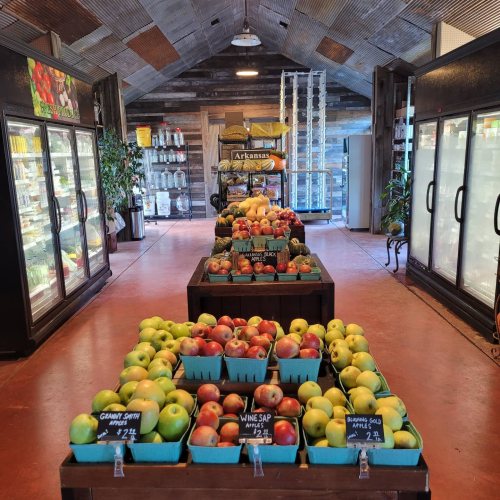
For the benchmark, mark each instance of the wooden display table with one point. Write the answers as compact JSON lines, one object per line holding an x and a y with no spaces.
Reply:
{"x":298,"y":232}
{"x":282,"y":301}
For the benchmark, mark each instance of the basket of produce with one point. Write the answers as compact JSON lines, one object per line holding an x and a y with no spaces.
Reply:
{"x":320,"y":451}
{"x":307,"y":273}
{"x":218,"y":270}
{"x":242,"y":245}
{"x":204,"y":364}
{"x":351,"y":378}
{"x":287,"y":272}
{"x":231,"y":404}
{"x":239,"y":277}
{"x":259,"y":241}
{"x":276,"y":245}
{"x":363,"y":361}
{"x":298,"y":363}
{"x":247,"y":362}
{"x":269,"y":396}
{"x":95,"y":452}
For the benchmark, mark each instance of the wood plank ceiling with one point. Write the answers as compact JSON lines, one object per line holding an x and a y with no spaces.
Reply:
{"x":148,"y":42}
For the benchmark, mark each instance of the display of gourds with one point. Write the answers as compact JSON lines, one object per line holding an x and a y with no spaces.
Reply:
{"x":221,"y":245}
{"x":235,"y":133}
{"x":246,"y":166}
{"x":296,"y":248}
{"x":307,"y":260}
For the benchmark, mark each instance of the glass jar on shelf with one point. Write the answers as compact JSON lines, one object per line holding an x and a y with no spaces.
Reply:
{"x":171,"y":156}
{"x":155,"y":140}
{"x":170,"y":179}
{"x":178,"y":137}
{"x":182,"y":203}
{"x":179,"y":178}
{"x":181,"y":156}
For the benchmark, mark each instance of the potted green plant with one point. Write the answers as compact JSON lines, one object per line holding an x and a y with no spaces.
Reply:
{"x":397,"y":216}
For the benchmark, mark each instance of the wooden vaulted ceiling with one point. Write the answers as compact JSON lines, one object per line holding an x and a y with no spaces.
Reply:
{"x":148,"y":42}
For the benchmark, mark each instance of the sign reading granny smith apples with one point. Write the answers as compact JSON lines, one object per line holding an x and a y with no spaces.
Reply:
{"x":119,"y":426}
{"x":256,"y":427}
{"x":364,"y":429}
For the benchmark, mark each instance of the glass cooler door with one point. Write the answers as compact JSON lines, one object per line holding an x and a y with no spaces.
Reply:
{"x":94,"y":217}
{"x":39,"y":242}
{"x":70,"y":227}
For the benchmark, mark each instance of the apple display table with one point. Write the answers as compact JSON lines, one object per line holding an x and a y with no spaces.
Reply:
{"x":298,"y":232}
{"x":282,"y":301}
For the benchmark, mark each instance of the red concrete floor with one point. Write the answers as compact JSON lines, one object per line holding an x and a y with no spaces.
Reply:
{"x":451,"y":389}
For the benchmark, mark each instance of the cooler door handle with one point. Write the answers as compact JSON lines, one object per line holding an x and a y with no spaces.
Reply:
{"x":457,"y":218}
{"x":59,"y":217}
{"x":429,"y":209}
{"x":86,"y":216}
{"x":495,"y":216}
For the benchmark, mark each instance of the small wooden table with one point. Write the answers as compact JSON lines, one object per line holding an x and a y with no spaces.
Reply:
{"x":282,"y":301}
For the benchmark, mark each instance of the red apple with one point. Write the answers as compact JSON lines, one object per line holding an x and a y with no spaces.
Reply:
{"x":223,"y":271}
{"x":230,"y":415}
{"x":269,"y":270}
{"x":229,"y":433}
{"x":258,"y":268}
{"x":201,"y":343}
{"x":205,"y":436}
{"x":278,"y":231}
{"x":213,"y":267}
{"x":291,"y":270}
{"x":285,"y":228}
{"x":207,"y":417}
{"x":212,"y":349}
{"x":268,"y":230}
{"x":233,"y":404}
{"x":256,"y":231}
{"x":237,"y":272}
{"x":297,"y":222}
{"x":284,"y":433}
{"x":310,"y":341}
{"x":256,"y":395}
{"x":243,"y":227}
{"x":241,"y":221}
{"x":213,"y":406}
{"x":271,"y":395}
{"x":267,"y":336}
{"x":289,"y":407}
{"x":227,"y":321}
{"x":189,"y":347}
{"x":247,"y":270}
{"x":304,"y":268}
{"x":239,"y":322}
{"x":292,"y":264}
{"x":247,"y":332}
{"x":200,"y":330}
{"x":308,"y":354}
{"x":287,"y":348}
{"x":281,"y":268}
{"x":244,"y":235}
{"x":261,"y":341}
{"x":225,"y":445}
{"x":257,"y":352}
{"x":267,"y":327}
{"x":255,"y":224}
{"x":226,"y":264}
{"x":222,"y":334}
{"x":247,"y":347}
{"x":236,"y":235}
{"x":206,"y":393}
{"x":235,"y":349}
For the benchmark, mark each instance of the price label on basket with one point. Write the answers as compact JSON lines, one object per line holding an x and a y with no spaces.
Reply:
{"x":119,"y":426}
{"x":367,"y":429}
{"x":256,"y":427}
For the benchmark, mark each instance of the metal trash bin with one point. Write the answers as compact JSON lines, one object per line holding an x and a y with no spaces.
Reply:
{"x":137,"y":223}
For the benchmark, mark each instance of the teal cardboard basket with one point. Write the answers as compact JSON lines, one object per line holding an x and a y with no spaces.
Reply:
{"x":287,"y":277}
{"x":380,"y":396}
{"x":276,"y":245}
{"x":259,"y":241}
{"x":298,"y":371}
{"x":241,"y":278}
{"x":196,"y":367}
{"x":218,"y":278}
{"x":264,"y":277}
{"x":221,"y":400}
{"x":383,"y":456}
{"x":215,"y":455}
{"x":314,"y":275}
{"x":159,"y":452}
{"x":94,"y":452}
{"x":247,"y":369}
{"x":384,"y":388}
{"x":271,"y":454}
{"x":242,"y":245}
{"x":287,"y":234}
{"x":330,"y":456}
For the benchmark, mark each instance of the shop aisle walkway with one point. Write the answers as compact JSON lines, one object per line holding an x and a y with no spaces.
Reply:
{"x":450,"y":387}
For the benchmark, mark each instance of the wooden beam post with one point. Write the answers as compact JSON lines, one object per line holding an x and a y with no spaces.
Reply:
{"x":207,"y":168}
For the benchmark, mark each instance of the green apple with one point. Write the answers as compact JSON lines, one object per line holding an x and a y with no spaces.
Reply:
{"x":299,"y":326}
{"x":147,"y":348}
{"x":173,"y":422}
{"x":353,"y":329}
{"x":208,"y":319}
{"x":336,"y":433}
{"x":348,"y":376}
{"x":146,"y":334}
{"x":393,"y":402}
{"x":320,"y":403}
{"x":254,"y":321}
{"x":354,"y":393}
{"x":168,"y":355}
{"x":133,"y":373}
{"x":190,"y":325}
{"x":151,"y":437}
{"x":83,"y":429}
{"x":350,"y":338}
{"x":159,"y":362}
{"x":150,"y":413}
{"x":166,"y":384}
{"x":103,"y":399}
{"x":340,"y":412}
{"x":295,"y":337}
{"x":321,"y":345}
{"x":147,"y":323}
{"x":335,"y":396}
{"x":159,"y":337}
{"x":358,"y":344}
{"x":318,"y":330}
{"x":363,"y":361}
{"x":320,"y":442}
{"x":160,"y":371}
{"x":314,"y":422}
{"x":369,"y":380}
{"x":166,"y":325}
{"x":280,"y":333}
{"x":172,"y":346}
{"x":158,"y":321}
{"x":338,"y":343}
{"x":115,"y":407}
{"x":180,"y":330}
{"x":336,"y":324}
{"x":308,"y":390}
{"x":390,"y":417}
{"x":136,"y":358}
{"x":277,"y":324}
{"x":404,"y":440}
{"x":388,"y":443}
{"x":333,"y":335}
{"x":341,"y":357}
{"x":181,"y":397}
{"x":366,"y":404}
{"x":150,"y":389}
{"x":126,"y":392}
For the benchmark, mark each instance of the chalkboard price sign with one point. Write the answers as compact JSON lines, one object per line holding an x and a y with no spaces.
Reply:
{"x":268,"y":257}
{"x":119,"y":426}
{"x":364,"y":429}
{"x":256,"y":427}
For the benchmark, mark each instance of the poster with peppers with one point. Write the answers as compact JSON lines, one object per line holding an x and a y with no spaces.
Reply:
{"x":53,"y":92}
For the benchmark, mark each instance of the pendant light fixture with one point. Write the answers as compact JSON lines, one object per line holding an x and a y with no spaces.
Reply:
{"x":245,"y":38}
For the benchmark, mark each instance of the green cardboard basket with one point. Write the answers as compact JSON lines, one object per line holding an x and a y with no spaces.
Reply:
{"x":380,"y":396}
{"x":288,"y":277}
{"x":247,"y":369}
{"x":314,"y":275}
{"x":245,"y":400}
{"x":330,"y":456}
{"x":218,"y":278}
{"x":159,"y":452}
{"x":264,"y":277}
{"x":242,"y":245}
{"x":196,"y":367}
{"x":276,"y":245}
{"x":383,"y":456}
{"x":271,"y":454}
{"x":94,"y":452}
{"x":209,"y":455}
{"x":259,"y":241}
{"x":298,"y":371}
{"x":241,"y":278}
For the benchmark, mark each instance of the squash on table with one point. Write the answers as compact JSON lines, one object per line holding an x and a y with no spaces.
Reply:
{"x":271,"y":215}
{"x":261,"y":213}
{"x":279,"y":163}
{"x":252,"y":213}
{"x":221,"y":222}
{"x":245,"y":206}
{"x":265,"y":204}
{"x":233,"y":204}
{"x":257,"y":201}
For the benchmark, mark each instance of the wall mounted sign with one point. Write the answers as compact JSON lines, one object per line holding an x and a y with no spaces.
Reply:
{"x":250,"y":154}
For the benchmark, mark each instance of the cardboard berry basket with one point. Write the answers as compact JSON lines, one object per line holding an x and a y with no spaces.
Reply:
{"x":95,"y":453}
{"x":199,"y":368}
{"x":298,"y":370}
{"x":247,"y":369}
{"x":330,"y":456}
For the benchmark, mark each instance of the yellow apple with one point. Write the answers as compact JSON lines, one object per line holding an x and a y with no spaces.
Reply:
{"x":365,"y":404}
{"x":320,"y":403}
{"x":358,"y":343}
{"x":336,"y":396}
{"x":299,"y":326}
{"x":318,"y":330}
{"x":340,"y":412}
{"x":338,"y":343}
{"x":363,"y":361}
{"x":315,"y":422}
{"x":393,"y":402}
{"x":254,"y":321}
{"x":147,"y":323}
{"x":308,"y":390}
{"x":341,"y":357}
{"x":333,"y":335}
{"x":390,"y":417}
{"x":320,"y":442}
{"x":348,"y":376}
{"x":295,"y":337}
{"x":404,"y":440}
{"x":388,"y":438}
{"x":370,"y":380}
{"x":146,"y":334}
{"x":336,"y":324}
{"x":336,"y":433}
{"x":353,"y":329}
{"x":354,"y":393}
